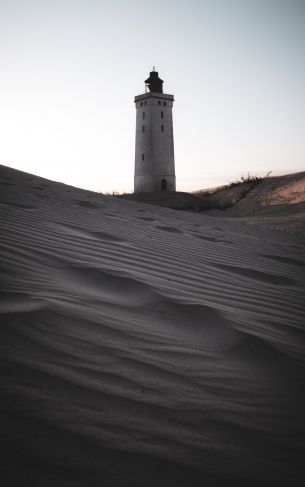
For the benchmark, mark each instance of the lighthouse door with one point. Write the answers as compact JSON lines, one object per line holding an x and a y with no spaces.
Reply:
{"x":163,"y":185}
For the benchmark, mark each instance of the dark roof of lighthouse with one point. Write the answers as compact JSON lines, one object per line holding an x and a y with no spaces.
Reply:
{"x":154,"y":83}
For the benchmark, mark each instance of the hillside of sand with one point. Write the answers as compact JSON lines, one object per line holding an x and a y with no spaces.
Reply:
{"x":142,"y":346}
{"x":274,"y":202}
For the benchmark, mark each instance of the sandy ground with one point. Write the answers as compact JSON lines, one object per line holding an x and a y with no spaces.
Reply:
{"x":276,"y":203}
{"x":142,"y":346}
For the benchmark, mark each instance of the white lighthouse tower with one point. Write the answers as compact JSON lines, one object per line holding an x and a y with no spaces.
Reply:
{"x":154,"y":154}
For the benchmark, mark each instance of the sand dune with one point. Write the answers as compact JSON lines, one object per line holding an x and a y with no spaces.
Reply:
{"x":144,"y":346}
{"x":274,"y":202}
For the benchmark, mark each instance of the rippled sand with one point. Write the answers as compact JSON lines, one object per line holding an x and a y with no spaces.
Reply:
{"x":140,"y":346}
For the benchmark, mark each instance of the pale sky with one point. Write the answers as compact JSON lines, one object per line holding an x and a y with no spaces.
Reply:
{"x":69,"y":71}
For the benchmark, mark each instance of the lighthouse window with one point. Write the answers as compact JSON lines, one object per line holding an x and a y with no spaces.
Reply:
{"x":162,"y":115}
{"x":143,"y":128}
{"x":164,"y":103}
{"x":159,"y":103}
{"x":145,"y":103}
{"x":142,"y":157}
{"x":162,"y":128}
{"x":141,"y":103}
{"x":143,"y":115}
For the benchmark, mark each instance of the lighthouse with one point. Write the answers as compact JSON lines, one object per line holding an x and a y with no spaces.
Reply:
{"x":154,"y":150}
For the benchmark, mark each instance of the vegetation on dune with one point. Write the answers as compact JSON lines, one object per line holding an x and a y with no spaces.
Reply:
{"x":249,"y":179}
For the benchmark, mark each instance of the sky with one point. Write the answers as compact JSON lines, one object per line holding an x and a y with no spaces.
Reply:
{"x":70,"y":70}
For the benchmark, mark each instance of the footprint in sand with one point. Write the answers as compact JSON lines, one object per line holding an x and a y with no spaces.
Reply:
{"x":146,"y":218}
{"x":169,"y":229}
{"x":88,"y":204}
{"x":208,"y":239}
{"x":106,"y":236}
